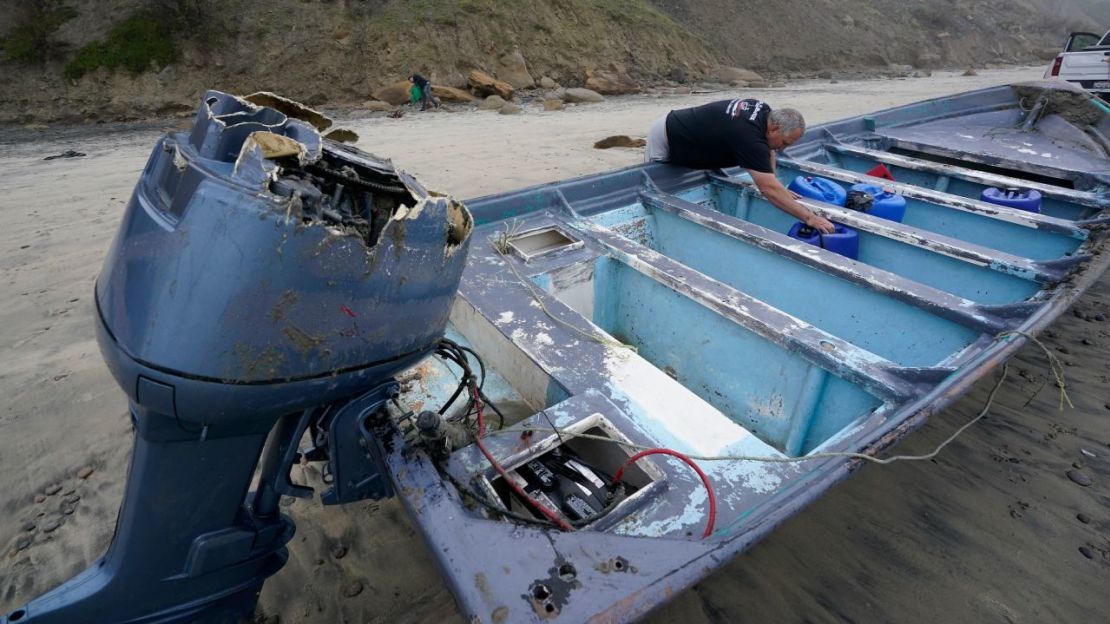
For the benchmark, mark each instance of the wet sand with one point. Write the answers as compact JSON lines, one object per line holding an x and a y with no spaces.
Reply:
{"x":986,"y":532}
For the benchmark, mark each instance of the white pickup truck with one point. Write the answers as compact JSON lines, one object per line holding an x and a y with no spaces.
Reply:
{"x":1085,"y":61}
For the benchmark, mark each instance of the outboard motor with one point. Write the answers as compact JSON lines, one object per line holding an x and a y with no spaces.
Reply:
{"x":264,"y":283}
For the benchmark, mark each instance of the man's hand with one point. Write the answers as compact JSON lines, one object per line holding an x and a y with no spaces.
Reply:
{"x":820,"y":223}
{"x":787,"y":201}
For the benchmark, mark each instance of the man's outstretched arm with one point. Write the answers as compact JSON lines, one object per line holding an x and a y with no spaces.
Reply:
{"x":784,"y":200}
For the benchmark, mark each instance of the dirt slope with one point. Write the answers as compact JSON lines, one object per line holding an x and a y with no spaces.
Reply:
{"x":850,"y":33}
{"x":338,"y":52}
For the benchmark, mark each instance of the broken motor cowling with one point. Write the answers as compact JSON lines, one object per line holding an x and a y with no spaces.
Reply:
{"x":264,"y":282}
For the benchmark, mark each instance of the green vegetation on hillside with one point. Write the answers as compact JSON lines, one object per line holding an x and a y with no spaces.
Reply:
{"x":135,"y":43}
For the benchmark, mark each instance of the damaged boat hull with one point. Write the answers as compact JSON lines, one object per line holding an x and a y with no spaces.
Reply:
{"x":667,"y":308}
{"x":648,"y":308}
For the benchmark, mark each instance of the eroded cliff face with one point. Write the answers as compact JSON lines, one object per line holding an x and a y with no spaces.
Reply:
{"x":850,"y":33}
{"x":339,"y":52}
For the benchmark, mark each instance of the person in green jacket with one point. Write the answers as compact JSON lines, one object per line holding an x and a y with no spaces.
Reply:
{"x":422,"y":91}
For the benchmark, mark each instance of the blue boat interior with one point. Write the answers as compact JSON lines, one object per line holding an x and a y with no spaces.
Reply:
{"x":657,"y":306}
{"x":786,"y":347}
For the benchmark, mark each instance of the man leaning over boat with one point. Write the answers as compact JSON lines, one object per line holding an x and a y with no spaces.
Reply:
{"x":730,"y":133}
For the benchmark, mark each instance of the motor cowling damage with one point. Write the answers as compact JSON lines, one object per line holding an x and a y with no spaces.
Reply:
{"x":266,"y":282}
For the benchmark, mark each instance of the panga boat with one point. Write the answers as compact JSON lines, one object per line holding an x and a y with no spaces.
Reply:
{"x":742,"y":341}
{"x":642,"y":373}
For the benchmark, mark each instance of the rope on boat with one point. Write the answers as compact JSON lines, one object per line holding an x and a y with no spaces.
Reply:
{"x":1054,"y":365}
{"x":501,"y":247}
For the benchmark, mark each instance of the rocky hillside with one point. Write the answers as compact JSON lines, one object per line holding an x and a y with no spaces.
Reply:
{"x":847,"y":33}
{"x":79,"y":60}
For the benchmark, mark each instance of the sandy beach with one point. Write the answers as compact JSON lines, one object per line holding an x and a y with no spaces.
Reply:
{"x":989,"y":531}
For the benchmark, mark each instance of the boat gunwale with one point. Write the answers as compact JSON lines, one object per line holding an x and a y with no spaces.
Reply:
{"x":1080,"y":197}
{"x":1039,"y":271}
{"x":1015,"y":216}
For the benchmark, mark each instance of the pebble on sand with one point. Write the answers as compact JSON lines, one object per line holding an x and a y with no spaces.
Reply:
{"x":1082,"y":517}
{"x":84,"y":473}
{"x":23,"y":541}
{"x":53,"y":489}
{"x":1079,"y":478}
{"x":51,"y":525}
{"x":352,"y":589}
{"x":40,"y":498}
{"x":1086,"y":552}
{"x":339,"y":551}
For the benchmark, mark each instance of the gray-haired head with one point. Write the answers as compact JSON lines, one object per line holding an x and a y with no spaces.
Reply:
{"x":788,"y":120}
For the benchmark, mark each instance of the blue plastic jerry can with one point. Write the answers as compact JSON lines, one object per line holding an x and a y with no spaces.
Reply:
{"x":1022,"y":199}
{"x":844,"y":241}
{"x":886,"y":205}
{"x":821,"y":189}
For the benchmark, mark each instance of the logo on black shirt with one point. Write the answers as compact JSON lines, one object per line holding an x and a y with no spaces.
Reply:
{"x":735,"y":107}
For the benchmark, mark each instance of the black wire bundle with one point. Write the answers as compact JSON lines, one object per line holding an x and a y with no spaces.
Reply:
{"x":452,"y":351}
{"x":475,"y":495}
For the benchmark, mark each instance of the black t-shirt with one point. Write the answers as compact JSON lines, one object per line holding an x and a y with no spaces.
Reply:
{"x":720,"y":134}
{"x":419,"y":80}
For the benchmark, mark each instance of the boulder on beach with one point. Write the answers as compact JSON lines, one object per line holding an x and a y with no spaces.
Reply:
{"x":554,"y":105}
{"x":513,"y":70}
{"x":377,"y":106}
{"x":579,"y":95}
{"x":509,"y":109}
{"x":396,"y":93}
{"x":493,"y":102}
{"x":484,"y":84}
{"x":451,"y":94}
{"x":547,"y":83}
{"x":610,"y":82}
